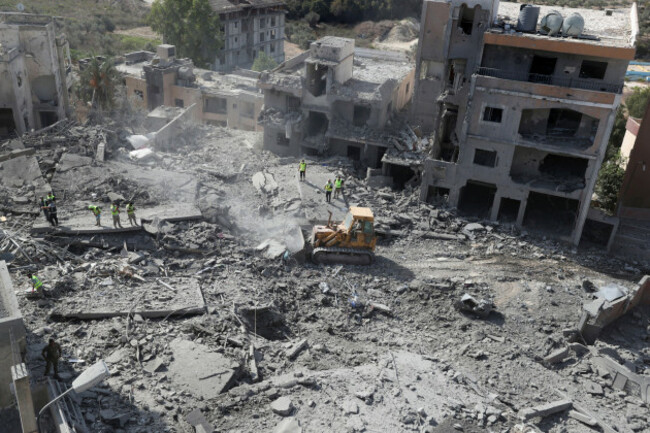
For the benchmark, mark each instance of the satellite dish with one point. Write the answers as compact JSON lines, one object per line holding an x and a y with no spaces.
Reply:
{"x":20,"y":7}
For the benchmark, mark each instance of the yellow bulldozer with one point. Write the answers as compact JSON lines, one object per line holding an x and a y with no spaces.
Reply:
{"x":350,"y":242}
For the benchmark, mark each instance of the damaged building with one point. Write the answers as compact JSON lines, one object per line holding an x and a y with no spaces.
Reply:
{"x":335,"y":99}
{"x":249,"y":27}
{"x":35,"y":73}
{"x":521,"y":100}
{"x":231,"y":100}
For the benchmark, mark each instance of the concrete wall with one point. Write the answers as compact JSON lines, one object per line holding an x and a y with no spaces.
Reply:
{"x":10,"y":320}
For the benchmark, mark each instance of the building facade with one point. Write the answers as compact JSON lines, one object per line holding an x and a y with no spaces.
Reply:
{"x":35,"y":73}
{"x":521,"y":119}
{"x":334,"y":99}
{"x":249,"y":28}
{"x":231,"y":100}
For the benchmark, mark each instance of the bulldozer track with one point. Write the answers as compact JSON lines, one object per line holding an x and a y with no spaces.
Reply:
{"x":342,"y":256}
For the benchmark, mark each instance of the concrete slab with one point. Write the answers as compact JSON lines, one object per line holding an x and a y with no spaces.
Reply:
{"x":151,"y":299}
{"x":11,"y":322}
{"x":199,"y":371}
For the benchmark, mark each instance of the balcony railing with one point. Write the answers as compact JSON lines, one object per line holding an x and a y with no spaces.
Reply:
{"x":579,"y":83}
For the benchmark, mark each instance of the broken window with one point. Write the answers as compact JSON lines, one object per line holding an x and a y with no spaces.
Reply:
{"x":179,"y":103}
{"x":262,"y":23}
{"x":564,"y":167}
{"x":539,"y":169}
{"x":7,"y":124}
{"x":477,"y":198}
{"x":548,"y":213}
{"x":273,"y":21}
{"x":592,"y":69}
{"x":273,"y":34}
{"x":282,"y":140}
{"x":293,"y":103}
{"x":139,"y":93}
{"x":541,"y":69}
{"x":466,"y":19}
{"x":272,"y":48}
{"x":262,"y":35}
{"x":408,"y":87}
{"x":437,"y":194}
{"x":361,"y":115}
{"x":248,"y":110}
{"x":487,"y":158}
{"x":559,"y":127}
{"x":317,"y":124}
{"x":563,"y":123}
{"x":492,"y":114}
{"x":354,"y":153}
{"x":316,"y":79}
{"x":216,"y":105}
{"x":509,"y":210}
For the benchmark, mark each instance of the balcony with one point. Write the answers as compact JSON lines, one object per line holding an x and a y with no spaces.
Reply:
{"x":552,"y":80}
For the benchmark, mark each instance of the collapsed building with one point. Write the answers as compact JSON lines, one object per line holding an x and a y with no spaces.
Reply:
{"x":231,"y":100}
{"x":35,"y":73}
{"x":522,"y":110}
{"x":335,"y":99}
{"x":249,"y":28}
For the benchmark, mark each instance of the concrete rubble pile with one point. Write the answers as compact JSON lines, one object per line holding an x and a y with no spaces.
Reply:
{"x":205,"y":326}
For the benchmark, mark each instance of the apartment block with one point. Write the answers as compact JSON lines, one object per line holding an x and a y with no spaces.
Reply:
{"x":35,"y":73}
{"x":249,"y":28}
{"x":335,"y":99}
{"x":521,"y":101}
{"x":231,"y":100}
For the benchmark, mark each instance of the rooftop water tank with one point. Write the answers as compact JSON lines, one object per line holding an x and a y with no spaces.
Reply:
{"x":527,"y":21}
{"x":185,"y":73}
{"x":551,"y":23}
{"x":573,"y":25}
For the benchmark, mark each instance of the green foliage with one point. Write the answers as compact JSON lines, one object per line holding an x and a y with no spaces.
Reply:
{"x":618,"y":133}
{"x":264,"y":62}
{"x":312,"y":19}
{"x":98,"y":83}
{"x":191,"y":25}
{"x":609,"y":182}
{"x":638,"y":101}
{"x":300,"y":34}
{"x":351,"y":11}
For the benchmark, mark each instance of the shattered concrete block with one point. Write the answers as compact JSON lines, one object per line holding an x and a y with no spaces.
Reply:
{"x":481,"y":308}
{"x":557,"y":356}
{"x":544,"y":410}
{"x":282,"y":406}
{"x":585,"y":419}
{"x":294,"y":351}
{"x":289,"y":425}
{"x":625,"y":379}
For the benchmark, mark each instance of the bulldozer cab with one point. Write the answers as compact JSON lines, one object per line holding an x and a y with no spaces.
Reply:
{"x":359,"y":221}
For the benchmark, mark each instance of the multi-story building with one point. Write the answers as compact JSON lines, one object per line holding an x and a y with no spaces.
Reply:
{"x":249,"y":28}
{"x":35,"y":73}
{"x":334,"y":99}
{"x":521,"y":110}
{"x":231,"y":100}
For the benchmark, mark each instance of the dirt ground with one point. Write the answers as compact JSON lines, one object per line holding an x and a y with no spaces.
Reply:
{"x":299,"y":347}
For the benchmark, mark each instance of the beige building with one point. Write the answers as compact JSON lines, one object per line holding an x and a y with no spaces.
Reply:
{"x":249,"y":28}
{"x":35,"y":73}
{"x":231,"y":100}
{"x":522,"y":107}
{"x":335,"y":99}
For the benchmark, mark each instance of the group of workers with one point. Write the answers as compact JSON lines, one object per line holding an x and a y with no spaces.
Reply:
{"x":336,"y":187}
{"x":115,"y":213}
{"x":48,"y":206}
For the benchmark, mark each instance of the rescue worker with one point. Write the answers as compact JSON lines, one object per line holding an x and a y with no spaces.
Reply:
{"x":97,"y":211}
{"x":37,"y":285}
{"x":302,"y":168}
{"x":51,"y":354}
{"x":328,"y":190}
{"x":51,"y":210}
{"x":51,"y":197}
{"x":130,"y":211}
{"x":338,"y":186}
{"x":46,"y":212}
{"x":115,"y":211}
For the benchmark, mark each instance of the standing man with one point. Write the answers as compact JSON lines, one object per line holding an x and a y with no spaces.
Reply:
{"x":51,"y":210}
{"x":302,"y":168}
{"x":328,"y":190}
{"x":97,"y":211}
{"x":130,"y":211}
{"x":338,"y":186}
{"x":51,"y":197}
{"x":46,"y":212}
{"x":115,"y":211}
{"x":37,"y":285}
{"x":51,"y":354}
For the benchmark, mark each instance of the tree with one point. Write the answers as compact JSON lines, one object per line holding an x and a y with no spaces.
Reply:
{"x":617,"y":135}
{"x":609,"y":182}
{"x":637,"y":101}
{"x":264,"y":62}
{"x":312,"y":19}
{"x":98,"y":83}
{"x":191,"y":26}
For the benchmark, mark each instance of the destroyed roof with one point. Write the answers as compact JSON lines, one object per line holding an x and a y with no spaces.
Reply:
{"x":223,"y":6}
{"x":610,"y":27}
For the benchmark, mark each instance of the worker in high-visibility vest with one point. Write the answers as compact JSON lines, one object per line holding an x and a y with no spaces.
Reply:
{"x":130,"y":211}
{"x":115,"y":211}
{"x":302,"y":168}
{"x":338,"y":186}
{"x":328,"y":190}
{"x":97,"y":211}
{"x":36,"y":284}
